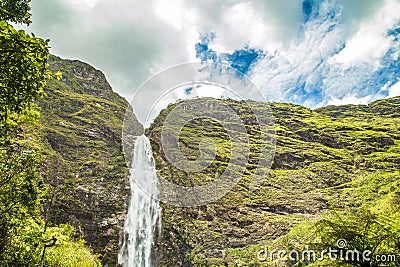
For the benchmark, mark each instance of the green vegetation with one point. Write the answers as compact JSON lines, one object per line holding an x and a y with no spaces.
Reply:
{"x":79,"y":132}
{"x":69,"y":252}
{"x":80,"y":171}
{"x":335,"y":175}
{"x":21,"y":192}
{"x":23,"y":73}
{"x":15,"y":10}
{"x":63,"y":175}
{"x":363,"y":231}
{"x":24,"y":226}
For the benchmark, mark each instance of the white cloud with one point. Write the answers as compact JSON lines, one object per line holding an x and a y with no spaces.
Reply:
{"x":350,"y":99}
{"x":279,"y":73}
{"x":371,"y":42}
{"x":308,"y":70}
{"x":81,"y":4}
{"x":173,"y":12}
{"x":243,"y":24}
{"x":394,"y":90}
{"x":129,"y":40}
{"x":184,"y":19}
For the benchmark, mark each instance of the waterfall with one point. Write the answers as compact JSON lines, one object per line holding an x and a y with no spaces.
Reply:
{"x":143,"y":219}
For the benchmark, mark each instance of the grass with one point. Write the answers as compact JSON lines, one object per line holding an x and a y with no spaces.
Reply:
{"x":342,"y":158}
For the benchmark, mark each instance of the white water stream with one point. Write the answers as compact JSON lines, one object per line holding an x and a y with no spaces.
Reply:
{"x":143,"y":219}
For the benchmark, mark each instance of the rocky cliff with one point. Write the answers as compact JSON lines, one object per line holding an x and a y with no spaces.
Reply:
{"x":80,"y":132}
{"x":336,"y":157}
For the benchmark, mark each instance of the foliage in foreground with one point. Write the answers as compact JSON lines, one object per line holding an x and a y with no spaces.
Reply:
{"x":69,"y":252}
{"x":23,"y":230}
{"x":23,"y":73}
{"x":21,"y":192}
{"x":363,"y":232}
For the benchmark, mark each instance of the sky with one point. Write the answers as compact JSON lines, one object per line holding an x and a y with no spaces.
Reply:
{"x":309,"y":52}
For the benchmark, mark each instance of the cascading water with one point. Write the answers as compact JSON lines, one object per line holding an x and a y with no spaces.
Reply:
{"x":143,"y":219}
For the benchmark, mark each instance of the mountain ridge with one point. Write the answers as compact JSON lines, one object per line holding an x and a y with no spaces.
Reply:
{"x":80,"y":133}
{"x":321,"y":155}
{"x":324,"y":159}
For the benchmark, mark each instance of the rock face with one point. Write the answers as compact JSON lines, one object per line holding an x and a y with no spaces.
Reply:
{"x":346,"y":156}
{"x":80,"y":128}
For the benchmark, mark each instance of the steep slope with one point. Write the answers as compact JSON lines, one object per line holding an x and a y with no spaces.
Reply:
{"x":80,"y":135}
{"x":346,"y":156}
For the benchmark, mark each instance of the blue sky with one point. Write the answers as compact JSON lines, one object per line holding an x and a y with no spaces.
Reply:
{"x":310,"y":52}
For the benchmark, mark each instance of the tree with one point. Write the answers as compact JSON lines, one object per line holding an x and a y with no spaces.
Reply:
{"x":23,"y":73}
{"x":15,"y":10}
{"x":361,"y":231}
{"x":23,"y":65}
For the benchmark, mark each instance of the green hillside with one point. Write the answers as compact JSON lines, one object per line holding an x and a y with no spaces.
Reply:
{"x":338,"y":158}
{"x":344,"y":159}
{"x":80,"y":135}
